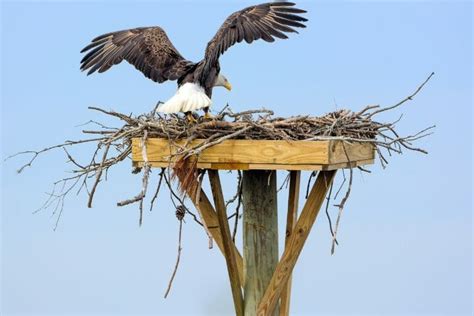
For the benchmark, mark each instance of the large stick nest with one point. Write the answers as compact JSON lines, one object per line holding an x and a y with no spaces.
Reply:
{"x":113,"y":144}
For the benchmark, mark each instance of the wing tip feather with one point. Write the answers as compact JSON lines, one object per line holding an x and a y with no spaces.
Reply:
{"x":282,"y":4}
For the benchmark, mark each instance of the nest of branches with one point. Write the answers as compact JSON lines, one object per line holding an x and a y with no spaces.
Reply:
{"x":114,"y":145}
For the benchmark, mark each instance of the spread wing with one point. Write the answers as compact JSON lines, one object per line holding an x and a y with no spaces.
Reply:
{"x":265,"y":21}
{"x":147,"y":48}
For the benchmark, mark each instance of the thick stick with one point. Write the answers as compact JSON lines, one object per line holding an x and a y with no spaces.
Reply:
{"x":295,"y":245}
{"x":229,"y":254}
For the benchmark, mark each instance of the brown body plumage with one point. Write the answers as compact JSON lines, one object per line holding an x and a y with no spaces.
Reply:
{"x":150,"y":50}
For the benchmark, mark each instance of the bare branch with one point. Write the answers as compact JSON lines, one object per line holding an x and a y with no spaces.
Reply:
{"x":408,"y":98}
{"x":162,"y":173}
{"x":180,"y":212}
{"x":98,"y":175}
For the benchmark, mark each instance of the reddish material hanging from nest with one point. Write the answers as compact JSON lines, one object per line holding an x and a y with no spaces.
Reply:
{"x":186,"y":171}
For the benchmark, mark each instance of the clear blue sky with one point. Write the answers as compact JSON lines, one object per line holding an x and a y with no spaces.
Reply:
{"x":406,"y":236}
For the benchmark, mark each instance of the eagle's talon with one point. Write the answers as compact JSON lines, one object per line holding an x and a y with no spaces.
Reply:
{"x":208,"y":116}
{"x":190,"y":118}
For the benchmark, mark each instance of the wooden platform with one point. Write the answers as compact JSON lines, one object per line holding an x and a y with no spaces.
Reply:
{"x":262,"y":154}
{"x":263,"y":287}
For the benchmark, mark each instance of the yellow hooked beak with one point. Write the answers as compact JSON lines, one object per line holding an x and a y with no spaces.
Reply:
{"x":228,"y":86}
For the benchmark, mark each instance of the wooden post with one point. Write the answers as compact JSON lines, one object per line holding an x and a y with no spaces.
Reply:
{"x":292,"y":216}
{"x":227,"y":241}
{"x":303,"y":226}
{"x":259,"y":197}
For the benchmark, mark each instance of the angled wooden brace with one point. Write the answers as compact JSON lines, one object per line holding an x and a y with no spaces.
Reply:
{"x":295,"y":244}
{"x":292,"y":216}
{"x":227,"y":242}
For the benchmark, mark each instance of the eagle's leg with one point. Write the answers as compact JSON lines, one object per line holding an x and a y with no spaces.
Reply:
{"x":190,"y":117}
{"x":207,"y":115}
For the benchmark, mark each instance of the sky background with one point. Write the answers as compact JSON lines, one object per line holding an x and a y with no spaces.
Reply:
{"x":406,"y":234}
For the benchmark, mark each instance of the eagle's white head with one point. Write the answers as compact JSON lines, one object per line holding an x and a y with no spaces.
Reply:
{"x":221,"y":81}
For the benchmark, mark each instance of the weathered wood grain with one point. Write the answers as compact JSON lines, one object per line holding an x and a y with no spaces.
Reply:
{"x":355,"y":152}
{"x":260,"y":225}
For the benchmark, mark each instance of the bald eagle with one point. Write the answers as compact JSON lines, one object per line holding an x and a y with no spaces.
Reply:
{"x":150,"y":51}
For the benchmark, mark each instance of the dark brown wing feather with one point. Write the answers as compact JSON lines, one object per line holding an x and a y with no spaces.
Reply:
{"x":148,"y":49}
{"x":265,"y":21}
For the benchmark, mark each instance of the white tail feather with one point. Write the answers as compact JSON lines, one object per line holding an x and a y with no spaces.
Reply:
{"x":189,"y":97}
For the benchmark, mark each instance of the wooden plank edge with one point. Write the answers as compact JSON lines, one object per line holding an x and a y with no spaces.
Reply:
{"x":239,"y":166}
